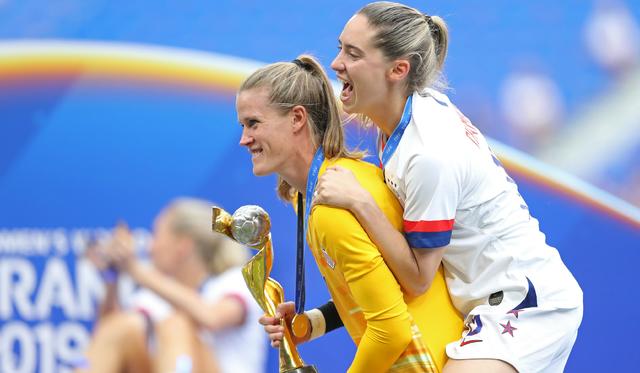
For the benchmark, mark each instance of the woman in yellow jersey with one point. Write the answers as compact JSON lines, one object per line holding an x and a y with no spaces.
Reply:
{"x":291,"y":126}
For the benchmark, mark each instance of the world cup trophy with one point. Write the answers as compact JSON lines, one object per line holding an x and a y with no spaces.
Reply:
{"x":250,"y":226}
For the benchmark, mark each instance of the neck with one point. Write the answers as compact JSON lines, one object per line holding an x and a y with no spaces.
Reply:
{"x":387,"y":116}
{"x":297,"y":170}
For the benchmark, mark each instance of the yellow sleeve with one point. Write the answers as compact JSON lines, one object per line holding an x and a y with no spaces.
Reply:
{"x":373,"y":287}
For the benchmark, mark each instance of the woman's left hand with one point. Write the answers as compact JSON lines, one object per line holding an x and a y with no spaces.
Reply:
{"x":338,"y":187}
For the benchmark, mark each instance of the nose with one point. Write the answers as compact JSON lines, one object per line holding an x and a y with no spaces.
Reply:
{"x":336,"y":64}
{"x":245,"y":140}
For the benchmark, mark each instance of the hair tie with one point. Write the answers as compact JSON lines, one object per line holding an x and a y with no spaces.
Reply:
{"x":435,"y":30}
{"x":303,"y":65}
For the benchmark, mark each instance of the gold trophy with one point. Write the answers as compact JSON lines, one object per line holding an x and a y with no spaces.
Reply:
{"x":250,"y":226}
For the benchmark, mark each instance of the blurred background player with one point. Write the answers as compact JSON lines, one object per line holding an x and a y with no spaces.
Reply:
{"x":193,"y":311}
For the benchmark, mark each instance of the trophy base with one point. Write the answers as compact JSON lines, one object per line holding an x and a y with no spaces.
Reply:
{"x":302,"y":369}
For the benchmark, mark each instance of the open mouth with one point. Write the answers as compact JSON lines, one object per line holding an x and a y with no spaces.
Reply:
{"x":255,"y":152}
{"x":347,"y":90}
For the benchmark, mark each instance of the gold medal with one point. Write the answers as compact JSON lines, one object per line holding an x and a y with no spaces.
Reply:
{"x":301,"y":326}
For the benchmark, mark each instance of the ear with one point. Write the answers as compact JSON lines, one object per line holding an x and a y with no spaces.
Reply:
{"x":298,"y":118}
{"x":399,"y":70}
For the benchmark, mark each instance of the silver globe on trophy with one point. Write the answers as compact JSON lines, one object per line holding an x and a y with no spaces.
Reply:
{"x":250,"y":226}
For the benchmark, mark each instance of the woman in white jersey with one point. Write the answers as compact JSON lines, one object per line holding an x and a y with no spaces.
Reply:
{"x":522,"y":305}
{"x":193,"y":311}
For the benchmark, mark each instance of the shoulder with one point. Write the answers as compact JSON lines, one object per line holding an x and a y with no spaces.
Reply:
{"x":422,"y":161}
{"x":230,"y":283}
{"x":229,"y":279}
{"x":371,"y":178}
{"x":430,"y":101}
{"x":434,"y":138}
{"x":335,"y":224}
{"x":363,"y":170}
{"x":434,"y":115}
{"x":337,"y":228}
{"x":428,"y":161}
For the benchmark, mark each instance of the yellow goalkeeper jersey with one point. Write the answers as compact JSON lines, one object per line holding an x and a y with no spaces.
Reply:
{"x":393,"y":334}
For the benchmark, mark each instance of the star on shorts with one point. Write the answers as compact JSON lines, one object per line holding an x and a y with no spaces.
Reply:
{"x":508,"y":328}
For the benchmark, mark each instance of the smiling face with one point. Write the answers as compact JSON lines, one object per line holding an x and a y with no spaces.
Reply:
{"x":361,"y":67}
{"x":266,"y":132}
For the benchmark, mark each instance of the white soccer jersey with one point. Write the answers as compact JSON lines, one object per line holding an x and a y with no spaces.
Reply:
{"x":241,"y":349}
{"x":456,"y":194}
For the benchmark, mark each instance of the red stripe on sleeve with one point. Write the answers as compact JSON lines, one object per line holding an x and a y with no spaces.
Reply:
{"x":428,"y":226}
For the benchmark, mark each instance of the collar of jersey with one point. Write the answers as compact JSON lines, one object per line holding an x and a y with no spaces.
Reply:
{"x":396,"y":135}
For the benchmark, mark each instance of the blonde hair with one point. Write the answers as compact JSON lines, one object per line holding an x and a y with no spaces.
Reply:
{"x":303,"y":82}
{"x":404,"y":32}
{"x":192,"y":217}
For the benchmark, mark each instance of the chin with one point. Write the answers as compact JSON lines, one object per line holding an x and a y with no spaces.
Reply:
{"x":350,"y":108}
{"x":260,"y":171}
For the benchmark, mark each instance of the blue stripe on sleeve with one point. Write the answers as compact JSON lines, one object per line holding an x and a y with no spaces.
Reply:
{"x":428,"y":240}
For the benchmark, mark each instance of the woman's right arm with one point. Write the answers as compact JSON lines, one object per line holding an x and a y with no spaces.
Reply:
{"x":414,"y":269}
{"x":372,"y":288}
{"x":321,"y":321}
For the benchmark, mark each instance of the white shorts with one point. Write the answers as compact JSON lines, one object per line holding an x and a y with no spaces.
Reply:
{"x":534,"y":339}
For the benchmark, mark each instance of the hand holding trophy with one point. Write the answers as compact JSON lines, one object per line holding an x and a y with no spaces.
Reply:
{"x":250,"y":226}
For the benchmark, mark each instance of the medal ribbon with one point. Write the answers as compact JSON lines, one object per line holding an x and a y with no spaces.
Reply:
{"x":396,"y":135}
{"x":303,"y":223}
